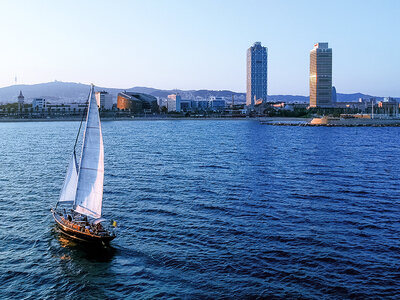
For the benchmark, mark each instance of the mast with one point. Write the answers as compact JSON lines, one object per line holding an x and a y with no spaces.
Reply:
{"x":68,"y":190}
{"x":89,"y":193}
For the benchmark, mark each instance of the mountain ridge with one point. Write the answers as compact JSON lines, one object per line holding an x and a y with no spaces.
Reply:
{"x":66,"y":92}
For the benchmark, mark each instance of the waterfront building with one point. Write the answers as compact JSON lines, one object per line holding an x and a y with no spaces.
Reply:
{"x":104,"y":100}
{"x":389,"y":99}
{"x":257,"y":77}
{"x":367,"y":100}
{"x":188,"y":105}
{"x":388,"y":107}
{"x":216,"y":103}
{"x":366,"y":104}
{"x":177,"y":104}
{"x":39,"y":103}
{"x":321,"y":76}
{"x":334,"y":99}
{"x":202,"y":104}
{"x":66,"y":108}
{"x":174,"y":102}
{"x":162,"y":102}
{"x":136,"y":102}
{"x":20,"y":101}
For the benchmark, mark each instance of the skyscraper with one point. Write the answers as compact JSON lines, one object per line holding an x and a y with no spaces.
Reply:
{"x":334,"y":100}
{"x":257,"y":79}
{"x":321,"y":76}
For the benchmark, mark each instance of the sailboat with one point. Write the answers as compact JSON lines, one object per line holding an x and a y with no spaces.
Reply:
{"x":78,"y":210}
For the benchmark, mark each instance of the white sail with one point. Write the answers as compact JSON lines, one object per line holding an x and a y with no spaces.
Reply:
{"x":89,"y":194}
{"x":68,"y":190}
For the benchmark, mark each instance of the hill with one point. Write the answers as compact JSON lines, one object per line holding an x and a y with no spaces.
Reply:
{"x":65,"y":92}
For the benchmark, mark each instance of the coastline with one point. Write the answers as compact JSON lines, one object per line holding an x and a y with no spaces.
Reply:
{"x":107,"y":119}
{"x":271,"y":121}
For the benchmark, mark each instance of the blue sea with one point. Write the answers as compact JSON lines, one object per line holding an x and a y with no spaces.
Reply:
{"x":207,"y":209}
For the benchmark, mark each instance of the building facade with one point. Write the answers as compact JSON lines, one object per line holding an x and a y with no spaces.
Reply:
{"x":123,"y":101}
{"x":334,"y":97}
{"x":39,"y":103}
{"x":174,"y":102}
{"x":321,"y":76}
{"x":136,"y":102}
{"x":216,"y":103}
{"x":66,"y":108}
{"x":177,"y":104}
{"x":104,"y":100}
{"x":202,"y":105}
{"x":257,"y":74}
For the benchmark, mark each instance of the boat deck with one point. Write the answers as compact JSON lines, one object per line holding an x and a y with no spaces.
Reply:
{"x":79,"y":230}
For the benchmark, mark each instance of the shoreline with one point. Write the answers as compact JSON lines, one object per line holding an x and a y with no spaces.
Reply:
{"x":106,"y":119}
{"x":271,"y":121}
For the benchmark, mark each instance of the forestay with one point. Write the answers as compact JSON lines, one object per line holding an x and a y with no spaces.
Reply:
{"x":89,"y":194}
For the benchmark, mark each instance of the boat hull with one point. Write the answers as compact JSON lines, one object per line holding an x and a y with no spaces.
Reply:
{"x":79,"y":235}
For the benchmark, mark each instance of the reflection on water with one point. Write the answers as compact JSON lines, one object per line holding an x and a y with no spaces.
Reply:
{"x":65,"y":242}
{"x":83,"y":268}
{"x":82,"y":250}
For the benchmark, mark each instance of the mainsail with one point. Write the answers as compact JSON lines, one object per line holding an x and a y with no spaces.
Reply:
{"x":68,"y":190}
{"x":89,"y":193}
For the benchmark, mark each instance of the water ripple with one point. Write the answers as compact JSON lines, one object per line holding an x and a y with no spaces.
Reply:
{"x":207,"y":209}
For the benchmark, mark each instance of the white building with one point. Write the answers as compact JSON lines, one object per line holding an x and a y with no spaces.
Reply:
{"x":104,"y":100}
{"x":39,"y":103}
{"x":162,"y":102}
{"x":174,"y":102}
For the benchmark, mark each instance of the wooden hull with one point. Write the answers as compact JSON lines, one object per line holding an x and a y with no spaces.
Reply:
{"x":77,"y":234}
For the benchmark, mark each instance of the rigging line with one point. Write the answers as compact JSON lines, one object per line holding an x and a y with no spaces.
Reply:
{"x":83,"y":115}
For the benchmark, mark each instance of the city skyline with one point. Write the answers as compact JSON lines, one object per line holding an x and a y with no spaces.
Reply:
{"x":202,"y":47}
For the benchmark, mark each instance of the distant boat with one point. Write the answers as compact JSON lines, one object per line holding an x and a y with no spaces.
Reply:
{"x":78,"y":210}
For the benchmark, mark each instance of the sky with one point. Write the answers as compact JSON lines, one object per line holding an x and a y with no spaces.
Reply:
{"x":181,"y":44}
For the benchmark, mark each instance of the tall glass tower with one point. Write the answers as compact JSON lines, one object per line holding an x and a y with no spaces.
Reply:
{"x":257,"y":79}
{"x":321,"y":76}
{"x":334,"y":95}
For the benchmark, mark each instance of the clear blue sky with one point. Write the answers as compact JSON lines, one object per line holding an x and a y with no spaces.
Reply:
{"x":199,"y":44}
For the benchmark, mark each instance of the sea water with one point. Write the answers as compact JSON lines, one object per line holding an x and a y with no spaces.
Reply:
{"x":207,"y":209}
